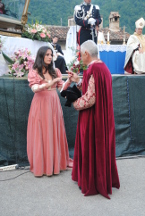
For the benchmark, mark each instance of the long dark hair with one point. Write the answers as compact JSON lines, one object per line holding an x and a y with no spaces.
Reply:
{"x":39,"y":62}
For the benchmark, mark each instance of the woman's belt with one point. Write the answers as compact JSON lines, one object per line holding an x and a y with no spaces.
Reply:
{"x":51,"y":89}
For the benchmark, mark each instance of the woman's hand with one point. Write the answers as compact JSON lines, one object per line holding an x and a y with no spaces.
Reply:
{"x":52,"y":82}
{"x":58,"y":79}
{"x":73,"y":77}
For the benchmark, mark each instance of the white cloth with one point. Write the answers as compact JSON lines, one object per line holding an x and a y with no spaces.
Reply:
{"x":113,"y":48}
{"x":101,"y":37}
{"x":71,"y":43}
{"x":11,"y":44}
{"x":138,"y":59}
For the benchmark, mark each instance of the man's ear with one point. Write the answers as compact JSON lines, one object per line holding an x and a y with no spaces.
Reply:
{"x":87,"y":54}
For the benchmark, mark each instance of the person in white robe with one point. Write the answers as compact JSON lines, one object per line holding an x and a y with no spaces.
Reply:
{"x":135,"y":51}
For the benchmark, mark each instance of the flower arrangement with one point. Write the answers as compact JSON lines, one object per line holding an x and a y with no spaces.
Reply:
{"x":37,"y":31}
{"x":22,"y":62}
{"x":76,"y":65}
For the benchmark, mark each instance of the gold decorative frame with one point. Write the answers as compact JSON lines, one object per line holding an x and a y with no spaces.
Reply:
{"x":25,"y":12}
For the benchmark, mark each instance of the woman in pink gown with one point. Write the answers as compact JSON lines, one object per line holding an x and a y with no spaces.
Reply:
{"x":47,"y":147}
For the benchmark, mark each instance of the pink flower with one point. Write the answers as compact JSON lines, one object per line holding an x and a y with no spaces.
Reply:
{"x":15,"y":66}
{"x":48,"y":35}
{"x":29,"y":58}
{"x":17,"y":53}
{"x":19,"y":69}
{"x":21,"y":66}
{"x":19,"y":74}
{"x":42,"y":35}
{"x":33,"y":31}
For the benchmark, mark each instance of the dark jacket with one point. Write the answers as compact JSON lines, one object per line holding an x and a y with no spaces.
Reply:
{"x":57,"y":47}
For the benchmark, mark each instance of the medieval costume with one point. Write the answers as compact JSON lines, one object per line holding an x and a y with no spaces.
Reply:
{"x":87,"y":17}
{"x":135,"y":61}
{"x":47,"y":146}
{"x":94,"y":166}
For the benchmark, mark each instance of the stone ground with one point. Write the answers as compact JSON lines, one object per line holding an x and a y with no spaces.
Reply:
{"x":22,"y":194}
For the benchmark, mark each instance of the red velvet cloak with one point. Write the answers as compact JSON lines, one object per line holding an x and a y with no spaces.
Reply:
{"x":94,"y":166}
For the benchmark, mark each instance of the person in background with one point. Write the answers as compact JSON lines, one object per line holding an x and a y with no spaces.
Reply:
{"x":94,"y":163}
{"x":60,"y":61}
{"x":56,"y":46}
{"x":47,"y":147}
{"x":2,"y":7}
{"x":135,"y":51}
{"x":87,"y":18}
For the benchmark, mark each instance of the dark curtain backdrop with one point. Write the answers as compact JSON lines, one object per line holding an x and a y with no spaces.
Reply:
{"x":129,"y":109}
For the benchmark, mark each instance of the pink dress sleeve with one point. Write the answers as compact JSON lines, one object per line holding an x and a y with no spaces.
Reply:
{"x":33,"y":78}
{"x":89,"y":98}
{"x":61,"y":83}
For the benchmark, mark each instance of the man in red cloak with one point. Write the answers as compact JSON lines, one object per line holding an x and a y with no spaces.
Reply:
{"x":94,"y":166}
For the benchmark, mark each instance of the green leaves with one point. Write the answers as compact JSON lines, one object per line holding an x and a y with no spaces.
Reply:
{"x":50,"y":12}
{"x":7,"y":59}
